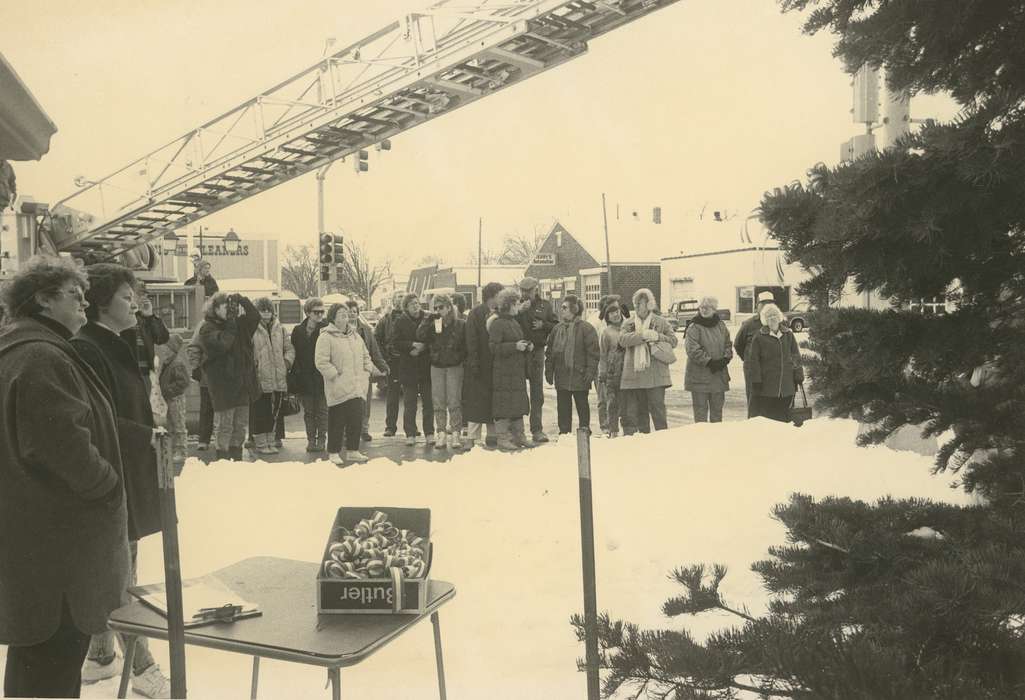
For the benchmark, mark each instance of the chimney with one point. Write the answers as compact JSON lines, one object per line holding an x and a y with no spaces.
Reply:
{"x":717,"y":215}
{"x":558,"y":239}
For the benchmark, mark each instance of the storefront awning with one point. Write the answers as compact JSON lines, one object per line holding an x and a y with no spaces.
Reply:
{"x":25,"y":129}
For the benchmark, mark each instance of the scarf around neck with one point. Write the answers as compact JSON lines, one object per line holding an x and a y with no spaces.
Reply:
{"x":642,"y":353}
{"x":566,"y":340}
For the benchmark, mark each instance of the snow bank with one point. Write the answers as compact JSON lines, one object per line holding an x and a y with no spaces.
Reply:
{"x":507,"y":533}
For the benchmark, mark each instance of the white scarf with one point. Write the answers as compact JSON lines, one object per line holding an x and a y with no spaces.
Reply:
{"x":642,"y":354}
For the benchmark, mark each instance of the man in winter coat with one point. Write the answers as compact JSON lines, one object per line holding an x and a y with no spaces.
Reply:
{"x":381,"y":368}
{"x":571,"y":363}
{"x":148,"y":332}
{"x":477,"y":379}
{"x":201,"y":276}
{"x":537,"y":320}
{"x":197,"y":358}
{"x":709,"y":352}
{"x":64,"y":558}
{"x":645,"y":374}
{"x":747,"y":331}
{"x":394,"y":391}
{"x":773,"y":366}
{"x":307,"y":381}
{"x":412,"y":364}
{"x":227,"y":339}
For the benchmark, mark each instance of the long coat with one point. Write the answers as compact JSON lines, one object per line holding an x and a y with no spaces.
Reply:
{"x":62,"y":503}
{"x":373,"y":347}
{"x":230,"y":368}
{"x":585,"y":356}
{"x":774,"y":363}
{"x":705,"y":343}
{"x":116,"y":365}
{"x":509,"y":371}
{"x":344,"y":361}
{"x":306,"y":379}
{"x":401,"y":336}
{"x":274,"y":354}
{"x":610,"y":361}
{"x":657,"y":373}
{"x":477,"y":379}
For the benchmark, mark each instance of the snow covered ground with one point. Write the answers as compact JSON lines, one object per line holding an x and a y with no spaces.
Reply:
{"x":507,"y":534}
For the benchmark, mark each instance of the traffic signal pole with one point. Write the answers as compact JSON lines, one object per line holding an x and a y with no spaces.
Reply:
{"x":321,"y":174}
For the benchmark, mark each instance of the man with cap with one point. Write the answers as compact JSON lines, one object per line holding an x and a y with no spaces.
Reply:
{"x":537,"y":320}
{"x":744,"y":335}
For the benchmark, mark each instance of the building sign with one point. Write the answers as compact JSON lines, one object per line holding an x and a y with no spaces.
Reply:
{"x":543,"y":259}
{"x":208,"y":250}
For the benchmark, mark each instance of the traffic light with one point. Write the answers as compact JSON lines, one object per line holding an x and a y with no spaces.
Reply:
{"x":385,"y":145}
{"x":325,"y":273}
{"x":327,"y":250}
{"x":359,"y":161}
{"x":656,"y":215}
{"x":338,"y":249}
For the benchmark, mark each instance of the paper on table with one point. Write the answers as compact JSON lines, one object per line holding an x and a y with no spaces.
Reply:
{"x":197,"y":594}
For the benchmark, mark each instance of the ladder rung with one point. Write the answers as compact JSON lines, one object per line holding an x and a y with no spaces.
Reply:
{"x":257,"y":171}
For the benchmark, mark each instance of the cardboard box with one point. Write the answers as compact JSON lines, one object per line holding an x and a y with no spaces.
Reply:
{"x":392,"y":593}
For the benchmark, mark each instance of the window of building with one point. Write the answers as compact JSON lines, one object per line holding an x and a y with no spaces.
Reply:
{"x":592,"y":292}
{"x":173,"y":307}
{"x":745,"y":300}
{"x":929,"y":306}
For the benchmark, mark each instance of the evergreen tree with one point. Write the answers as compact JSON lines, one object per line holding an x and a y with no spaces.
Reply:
{"x":897,"y":599}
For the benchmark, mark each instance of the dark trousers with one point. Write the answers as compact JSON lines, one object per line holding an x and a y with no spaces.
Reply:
{"x":344,"y":420}
{"x":206,"y":415}
{"x":413,"y":387}
{"x":536,"y":379}
{"x":264,"y":412}
{"x":776,"y":408}
{"x":646,"y":407}
{"x":391,"y":408}
{"x":51,"y":669}
{"x":564,"y":403}
{"x":708,"y":406}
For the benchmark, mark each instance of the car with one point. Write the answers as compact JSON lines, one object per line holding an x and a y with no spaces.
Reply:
{"x":797,"y":317}
{"x":680,"y":314}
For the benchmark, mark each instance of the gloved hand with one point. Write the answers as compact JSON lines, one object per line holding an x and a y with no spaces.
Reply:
{"x":550,"y":378}
{"x":650,"y":336}
{"x":716,"y":365}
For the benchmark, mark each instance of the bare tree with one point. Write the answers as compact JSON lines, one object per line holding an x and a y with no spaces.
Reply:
{"x":520,"y":250}
{"x":360,"y":276}
{"x":428,"y":260}
{"x":300,"y":272}
{"x":487,"y":257}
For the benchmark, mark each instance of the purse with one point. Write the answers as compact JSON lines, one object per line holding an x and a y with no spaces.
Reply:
{"x":800,"y":414}
{"x":289,"y":406}
{"x":663,"y":352}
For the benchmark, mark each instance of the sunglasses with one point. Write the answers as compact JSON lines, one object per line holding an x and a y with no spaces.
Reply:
{"x":316,"y":311}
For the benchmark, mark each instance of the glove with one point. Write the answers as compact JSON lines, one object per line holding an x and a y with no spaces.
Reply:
{"x":650,"y":336}
{"x":550,"y":377}
{"x":716,"y":365}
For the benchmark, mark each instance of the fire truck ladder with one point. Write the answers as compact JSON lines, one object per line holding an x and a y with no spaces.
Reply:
{"x":414,"y":70}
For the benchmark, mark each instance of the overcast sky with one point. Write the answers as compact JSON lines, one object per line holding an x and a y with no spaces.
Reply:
{"x":704,"y":103}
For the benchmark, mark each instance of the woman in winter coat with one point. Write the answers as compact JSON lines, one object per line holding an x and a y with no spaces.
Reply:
{"x":610,"y":364}
{"x":509,"y":400}
{"x":227,"y":340}
{"x":571,"y":363}
{"x":709,"y":352}
{"x":412,"y":365}
{"x":64,"y":559}
{"x":647,"y":339}
{"x":111,"y":311}
{"x":447,"y":348}
{"x":307,"y":382}
{"x":773,"y":364}
{"x":274,"y":355}
{"x":477,"y":379}
{"x":344,"y":361}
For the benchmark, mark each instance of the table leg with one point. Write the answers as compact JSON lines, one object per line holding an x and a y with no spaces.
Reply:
{"x":437,"y":653}
{"x":256,"y":677}
{"x":126,"y":671}
{"x":335,"y":675}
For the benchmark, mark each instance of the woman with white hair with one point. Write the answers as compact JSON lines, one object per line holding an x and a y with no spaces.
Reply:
{"x":649,"y":341}
{"x":708,"y":355}
{"x":773,"y":366}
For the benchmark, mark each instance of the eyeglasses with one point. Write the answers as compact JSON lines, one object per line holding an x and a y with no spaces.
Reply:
{"x":75,"y":294}
{"x":316,"y":311}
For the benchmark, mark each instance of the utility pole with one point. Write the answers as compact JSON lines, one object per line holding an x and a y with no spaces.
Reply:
{"x":608,"y":260}
{"x":480,"y":255}
{"x":321,"y":174}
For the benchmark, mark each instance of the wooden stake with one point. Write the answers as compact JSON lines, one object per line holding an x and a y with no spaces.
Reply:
{"x":587,"y":550}
{"x":172,"y":564}
{"x":608,"y":261}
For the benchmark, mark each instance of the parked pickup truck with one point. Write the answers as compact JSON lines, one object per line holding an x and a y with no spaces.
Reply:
{"x":680,"y":314}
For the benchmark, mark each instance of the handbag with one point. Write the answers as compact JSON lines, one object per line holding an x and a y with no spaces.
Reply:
{"x":800,"y":414}
{"x":289,"y":405}
{"x":663,"y":352}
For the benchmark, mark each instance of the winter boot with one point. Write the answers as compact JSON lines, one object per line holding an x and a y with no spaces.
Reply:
{"x":517,"y":433}
{"x":272,"y":444}
{"x":540,"y":437}
{"x":429,"y":440}
{"x":320,"y":444}
{"x":223,"y":454}
{"x":504,"y":440}
{"x":355,"y":456}
{"x":262,"y":445}
{"x":311,"y":444}
{"x":337,"y":459}
{"x":235,"y":454}
{"x":442,"y":442}
{"x":278,"y":443}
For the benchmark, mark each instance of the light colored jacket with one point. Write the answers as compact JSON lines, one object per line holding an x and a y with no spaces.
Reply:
{"x":705,"y":343}
{"x":274,"y":356}
{"x":344,"y":361}
{"x":657,"y":373}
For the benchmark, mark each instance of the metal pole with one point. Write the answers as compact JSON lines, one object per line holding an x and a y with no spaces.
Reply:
{"x":321,"y":174}
{"x":172,"y":564}
{"x":587,"y":550}
{"x":480,"y":254}
{"x":608,"y":261}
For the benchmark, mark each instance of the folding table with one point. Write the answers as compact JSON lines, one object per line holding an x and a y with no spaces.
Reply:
{"x":289,"y":628}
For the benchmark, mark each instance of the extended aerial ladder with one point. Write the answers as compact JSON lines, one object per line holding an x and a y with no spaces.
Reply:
{"x":414,"y":70}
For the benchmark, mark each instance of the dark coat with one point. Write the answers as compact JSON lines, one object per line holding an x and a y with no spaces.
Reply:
{"x":381,"y":332}
{"x":540,"y":310}
{"x":230,"y":368}
{"x":209,"y":285}
{"x":62,"y":504}
{"x":509,"y":374}
{"x":153,"y":331}
{"x":401,"y":336}
{"x":747,"y":331}
{"x":477,"y":379}
{"x":370,"y":340}
{"x":114,"y":363}
{"x":305,"y":379}
{"x":585,"y":356}
{"x":448,"y":349}
{"x":774,"y":364}
{"x":705,"y":341}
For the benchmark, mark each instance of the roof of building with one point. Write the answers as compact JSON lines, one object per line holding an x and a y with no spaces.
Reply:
{"x":25,"y":129}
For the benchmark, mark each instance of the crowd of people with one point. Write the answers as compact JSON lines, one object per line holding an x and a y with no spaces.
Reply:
{"x":89,"y":372}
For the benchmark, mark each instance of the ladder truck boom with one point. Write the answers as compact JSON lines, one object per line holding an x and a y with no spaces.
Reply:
{"x":411,"y":71}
